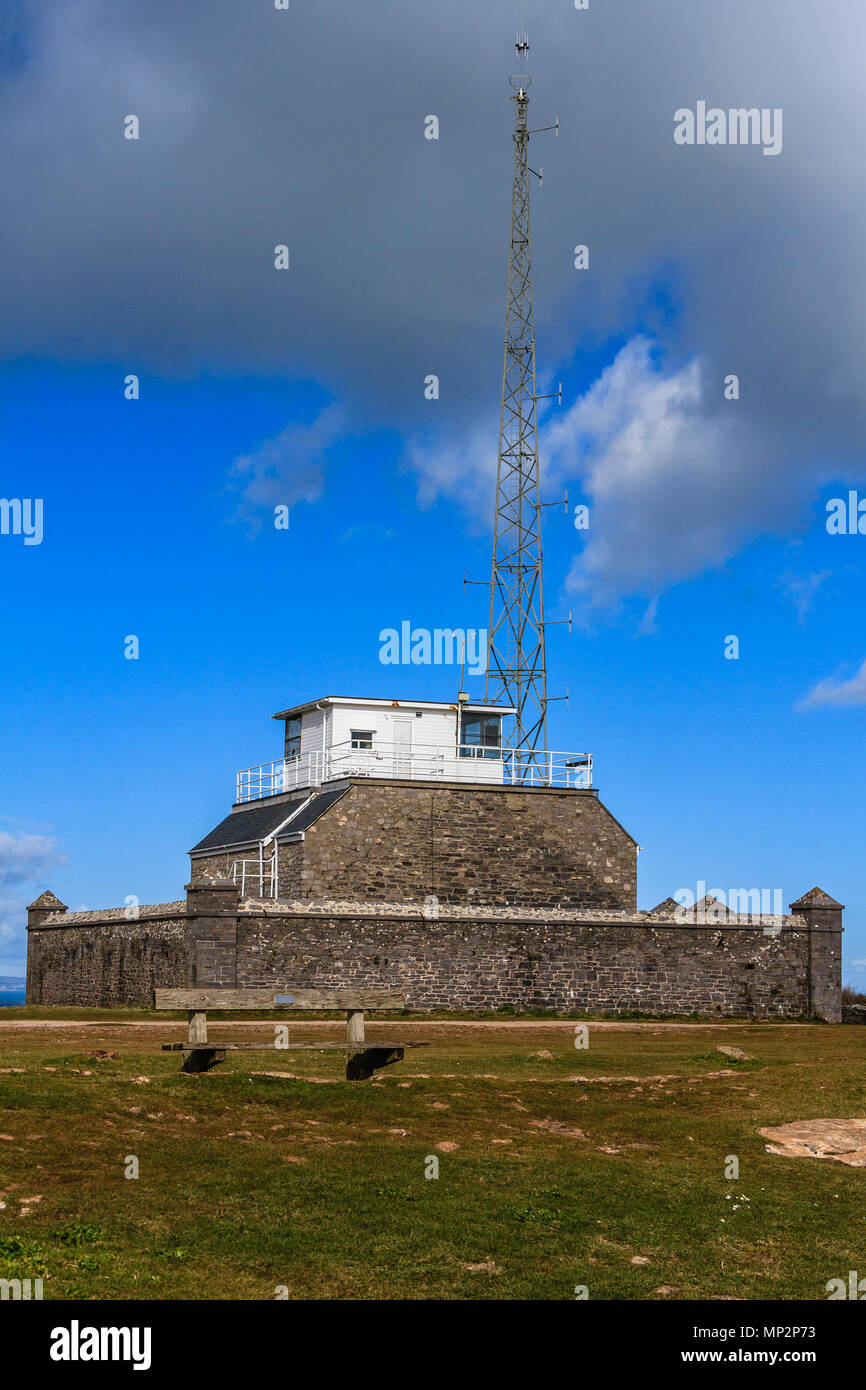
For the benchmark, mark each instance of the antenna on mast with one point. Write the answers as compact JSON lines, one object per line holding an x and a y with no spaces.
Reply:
{"x":522,"y":46}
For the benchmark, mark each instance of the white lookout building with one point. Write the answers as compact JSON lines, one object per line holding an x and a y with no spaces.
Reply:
{"x":337,"y":737}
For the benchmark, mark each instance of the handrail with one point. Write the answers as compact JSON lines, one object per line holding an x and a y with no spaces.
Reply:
{"x":475,"y":763}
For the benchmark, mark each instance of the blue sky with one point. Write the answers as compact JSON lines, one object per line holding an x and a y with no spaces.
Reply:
{"x":125,"y":764}
{"x":707,"y":516}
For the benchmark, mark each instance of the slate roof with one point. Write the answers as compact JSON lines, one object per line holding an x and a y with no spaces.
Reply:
{"x":257,"y":822}
{"x":320,"y":803}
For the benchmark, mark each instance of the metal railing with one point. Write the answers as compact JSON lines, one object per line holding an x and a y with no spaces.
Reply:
{"x":466,"y":763}
{"x":255,"y":878}
{"x":269,"y":779}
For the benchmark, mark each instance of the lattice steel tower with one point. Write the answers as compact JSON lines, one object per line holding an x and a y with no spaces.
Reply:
{"x":516,"y":668}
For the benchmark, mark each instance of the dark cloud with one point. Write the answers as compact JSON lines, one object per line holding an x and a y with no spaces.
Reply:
{"x":306,"y":127}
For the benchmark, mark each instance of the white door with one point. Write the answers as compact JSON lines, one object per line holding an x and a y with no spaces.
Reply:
{"x":402,"y":747}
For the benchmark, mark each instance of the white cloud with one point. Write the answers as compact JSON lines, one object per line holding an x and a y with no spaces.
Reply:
{"x":676,"y":480}
{"x":24,"y":858}
{"x":833,"y":691}
{"x":10,"y":908}
{"x":287,"y":469}
{"x":669,"y":472}
{"x":465,"y":471}
{"x":802,"y":590}
{"x":648,"y":624}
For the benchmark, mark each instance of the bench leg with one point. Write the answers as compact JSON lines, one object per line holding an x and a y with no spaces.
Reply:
{"x":361,"y":1065}
{"x":196,"y":1026}
{"x":202,"y":1060}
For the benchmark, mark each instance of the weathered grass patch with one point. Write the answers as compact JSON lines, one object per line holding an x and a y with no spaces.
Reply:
{"x":545,"y":1181}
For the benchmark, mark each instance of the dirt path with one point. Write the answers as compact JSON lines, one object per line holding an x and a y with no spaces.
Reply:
{"x":535,"y":1025}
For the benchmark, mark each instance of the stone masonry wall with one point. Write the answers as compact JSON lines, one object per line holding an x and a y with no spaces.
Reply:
{"x":399,"y":842}
{"x":104,"y":959}
{"x":563,"y":963}
{"x":479,"y":958}
{"x":289,"y":865}
{"x":217,"y":865}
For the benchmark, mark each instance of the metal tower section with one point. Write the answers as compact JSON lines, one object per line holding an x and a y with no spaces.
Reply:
{"x":516,"y":668}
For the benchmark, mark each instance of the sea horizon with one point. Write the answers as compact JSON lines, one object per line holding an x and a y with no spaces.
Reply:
{"x":13,"y":990}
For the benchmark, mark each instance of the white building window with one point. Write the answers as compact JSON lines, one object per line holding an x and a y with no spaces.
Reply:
{"x":293,"y":739}
{"x":362,"y":738}
{"x":479,"y":733}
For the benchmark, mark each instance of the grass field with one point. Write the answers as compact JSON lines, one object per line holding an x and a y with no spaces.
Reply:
{"x":553,"y":1171}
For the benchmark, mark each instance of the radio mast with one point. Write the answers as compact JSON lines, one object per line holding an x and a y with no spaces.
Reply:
{"x":516,"y":667}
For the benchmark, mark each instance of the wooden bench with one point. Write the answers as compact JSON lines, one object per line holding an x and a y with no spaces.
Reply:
{"x":362,"y":1059}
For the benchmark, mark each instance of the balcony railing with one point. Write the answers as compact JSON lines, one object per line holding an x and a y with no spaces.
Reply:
{"x":467,"y":763}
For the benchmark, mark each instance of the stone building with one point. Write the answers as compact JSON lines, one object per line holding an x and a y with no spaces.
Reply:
{"x":401,"y":844}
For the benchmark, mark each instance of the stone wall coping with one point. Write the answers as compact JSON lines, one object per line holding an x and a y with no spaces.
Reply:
{"x":144,"y":912}
{"x":347,"y":908}
{"x":342,"y":908}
